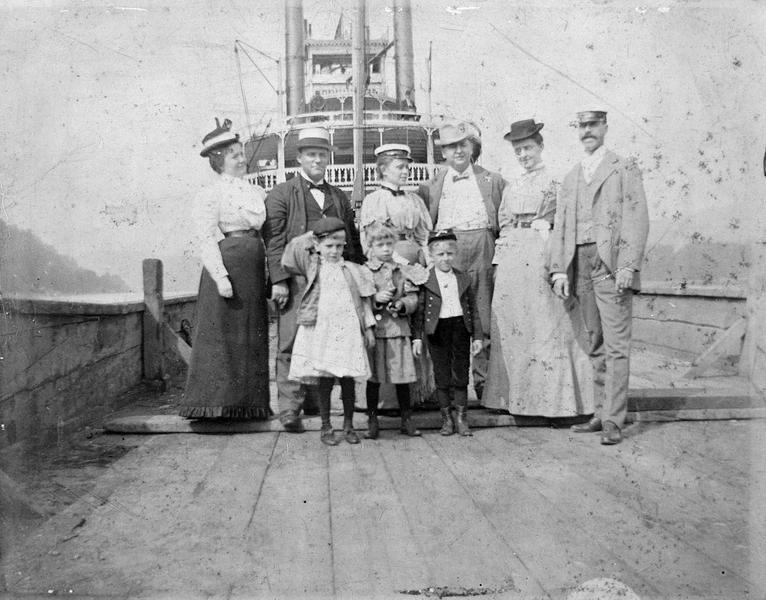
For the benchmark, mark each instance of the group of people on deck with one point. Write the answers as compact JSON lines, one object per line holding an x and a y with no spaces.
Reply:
{"x":527,"y":283}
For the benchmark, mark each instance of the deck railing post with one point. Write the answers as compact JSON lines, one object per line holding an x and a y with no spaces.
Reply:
{"x":154,"y":311}
{"x":753,"y":361}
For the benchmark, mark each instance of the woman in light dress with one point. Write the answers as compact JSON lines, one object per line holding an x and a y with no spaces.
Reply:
{"x":536,"y":367}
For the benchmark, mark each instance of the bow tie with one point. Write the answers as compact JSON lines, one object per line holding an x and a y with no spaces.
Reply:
{"x":322,"y":187}
{"x":396,"y":192}
{"x":459,"y":177}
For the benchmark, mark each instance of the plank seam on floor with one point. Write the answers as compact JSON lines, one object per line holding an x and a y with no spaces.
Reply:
{"x":263,"y":481}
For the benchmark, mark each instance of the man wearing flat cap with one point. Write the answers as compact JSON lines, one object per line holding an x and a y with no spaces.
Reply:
{"x":465,"y":197}
{"x":597,"y":248}
{"x":293,"y":208}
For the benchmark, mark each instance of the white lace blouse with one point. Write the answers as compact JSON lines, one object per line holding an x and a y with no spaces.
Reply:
{"x":226,"y":204}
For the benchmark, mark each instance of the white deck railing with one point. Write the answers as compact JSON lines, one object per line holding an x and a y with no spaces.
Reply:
{"x":343,"y":176}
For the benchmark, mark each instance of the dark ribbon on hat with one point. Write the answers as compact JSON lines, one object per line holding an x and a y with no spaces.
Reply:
{"x":459,"y":177}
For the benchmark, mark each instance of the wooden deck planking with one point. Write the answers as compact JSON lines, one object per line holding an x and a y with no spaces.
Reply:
{"x":702,"y":512}
{"x":672,"y":512}
{"x":558,"y":550}
{"x":461,"y":547}
{"x":572,"y":470}
{"x":291,"y":526}
{"x":374,"y":553}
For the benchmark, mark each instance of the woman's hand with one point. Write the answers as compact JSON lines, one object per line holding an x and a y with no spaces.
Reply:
{"x":369,"y":338}
{"x":224,"y":287}
{"x":561,"y":287}
{"x":417,"y":348}
{"x":476,"y":347}
{"x":384,"y":296}
{"x":280,"y":294}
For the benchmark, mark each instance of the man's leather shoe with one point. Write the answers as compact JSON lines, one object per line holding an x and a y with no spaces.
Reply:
{"x":591,"y":426}
{"x":611,"y":434}
{"x":293,"y":424}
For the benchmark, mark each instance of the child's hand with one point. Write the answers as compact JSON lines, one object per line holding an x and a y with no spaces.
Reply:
{"x":476,"y":347}
{"x":383,"y":297}
{"x":417,"y":348}
{"x":395,"y":308}
{"x":369,"y":338}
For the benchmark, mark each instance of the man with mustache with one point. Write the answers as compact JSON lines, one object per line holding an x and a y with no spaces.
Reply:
{"x":597,"y":248}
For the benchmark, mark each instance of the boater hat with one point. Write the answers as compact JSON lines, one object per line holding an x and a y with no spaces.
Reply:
{"x":452,"y":133}
{"x":394,"y":151}
{"x":328,"y":225}
{"x":218,"y":138}
{"x":521,"y":130}
{"x":591,"y":116}
{"x":314,"y":137}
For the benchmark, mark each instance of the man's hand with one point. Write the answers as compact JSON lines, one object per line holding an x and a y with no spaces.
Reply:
{"x":417,"y":348}
{"x":224,"y":287}
{"x":623,"y":279}
{"x":369,"y":338}
{"x":561,"y":287}
{"x":280,"y":294}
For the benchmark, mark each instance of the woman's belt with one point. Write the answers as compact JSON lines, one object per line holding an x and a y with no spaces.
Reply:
{"x":242,"y":233}
{"x":523,"y":220}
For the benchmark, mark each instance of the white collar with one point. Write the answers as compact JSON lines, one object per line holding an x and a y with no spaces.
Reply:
{"x":451,"y":172}
{"x":592,"y":160}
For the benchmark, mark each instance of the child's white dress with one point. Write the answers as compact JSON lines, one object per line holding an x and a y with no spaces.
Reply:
{"x":334,"y":346}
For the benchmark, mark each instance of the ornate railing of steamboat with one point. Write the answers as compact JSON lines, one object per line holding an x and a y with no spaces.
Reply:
{"x":343,"y":175}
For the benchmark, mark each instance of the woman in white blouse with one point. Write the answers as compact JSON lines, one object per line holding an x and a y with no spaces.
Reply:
{"x":228,"y":373}
{"x":536,"y":367}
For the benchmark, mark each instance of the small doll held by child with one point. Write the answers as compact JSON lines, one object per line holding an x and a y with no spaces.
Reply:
{"x":335,"y":321}
{"x":396,"y":297}
{"x":448,"y":315}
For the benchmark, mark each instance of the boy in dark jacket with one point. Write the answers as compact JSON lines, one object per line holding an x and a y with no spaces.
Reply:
{"x":448,"y":315}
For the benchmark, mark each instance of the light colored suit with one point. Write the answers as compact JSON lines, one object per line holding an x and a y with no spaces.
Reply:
{"x":620,"y":225}
{"x":620,"y":217}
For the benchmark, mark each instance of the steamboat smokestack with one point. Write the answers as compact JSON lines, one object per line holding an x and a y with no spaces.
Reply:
{"x":294,"y":53}
{"x":405,"y":73}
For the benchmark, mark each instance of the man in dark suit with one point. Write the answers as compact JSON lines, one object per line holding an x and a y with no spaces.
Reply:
{"x":465,"y":197}
{"x":293,"y":208}
{"x":597,"y":248}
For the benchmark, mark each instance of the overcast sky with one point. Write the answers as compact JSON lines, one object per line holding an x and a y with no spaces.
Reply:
{"x":105,"y":106}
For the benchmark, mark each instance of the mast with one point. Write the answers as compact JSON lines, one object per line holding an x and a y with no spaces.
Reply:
{"x":359,"y":70}
{"x":404,"y":56}
{"x":294,"y":54}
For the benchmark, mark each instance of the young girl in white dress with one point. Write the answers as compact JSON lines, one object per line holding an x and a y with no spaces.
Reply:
{"x":335,"y":319}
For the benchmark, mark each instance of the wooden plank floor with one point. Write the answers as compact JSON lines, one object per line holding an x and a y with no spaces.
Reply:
{"x":676,"y":511}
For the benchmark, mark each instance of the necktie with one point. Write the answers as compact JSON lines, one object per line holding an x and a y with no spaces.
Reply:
{"x":459,"y":177}
{"x":322,"y":187}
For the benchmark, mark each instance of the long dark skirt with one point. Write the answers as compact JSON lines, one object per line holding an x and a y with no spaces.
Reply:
{"x":229,"y":373}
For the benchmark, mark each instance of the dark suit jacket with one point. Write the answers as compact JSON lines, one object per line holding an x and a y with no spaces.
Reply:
{"x":426,"y":318}
{"x":620,"y":217}
{"x":286,"y":219}
{"x":491,"y":186}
